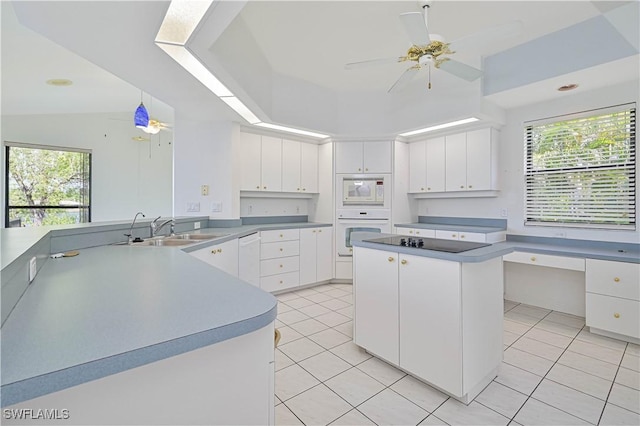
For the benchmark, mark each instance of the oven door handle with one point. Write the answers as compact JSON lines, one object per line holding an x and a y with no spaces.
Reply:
{"x":363,"y":219}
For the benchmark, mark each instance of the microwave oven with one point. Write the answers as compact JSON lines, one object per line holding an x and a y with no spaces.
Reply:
{"x":362,"y":191}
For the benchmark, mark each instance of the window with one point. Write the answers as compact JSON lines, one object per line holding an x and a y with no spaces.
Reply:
{"x":581,"y":171}
{"x":46,"y":185}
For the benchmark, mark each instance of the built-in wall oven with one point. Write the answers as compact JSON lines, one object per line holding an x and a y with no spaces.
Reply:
{"x":356,"y":220}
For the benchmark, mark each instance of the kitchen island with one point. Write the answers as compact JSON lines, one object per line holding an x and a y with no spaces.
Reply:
{"x":137,"y":335}
{"x":434,"y":314}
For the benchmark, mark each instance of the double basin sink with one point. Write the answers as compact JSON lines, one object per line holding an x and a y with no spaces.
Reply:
{"x":178,"y":240}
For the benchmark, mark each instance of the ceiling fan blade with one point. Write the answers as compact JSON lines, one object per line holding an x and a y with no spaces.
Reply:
{"x":487,"y":36}
{"x":416,"y":28}
{"x":464,"y":71}
{"x":404,"y":79}
{"x":372,"y":63}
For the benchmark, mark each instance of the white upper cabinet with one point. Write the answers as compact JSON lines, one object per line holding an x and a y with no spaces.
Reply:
{"x":363,"y":157}
{"x":309,"y":167}
{"x":278,"y":165}
{"x":271,"y":164}
{"x":251,"y":155}
{"x":460,"y":163}
{"x":456,"y":162}
{"x":291,"y":165}
{"x":427,"y":166}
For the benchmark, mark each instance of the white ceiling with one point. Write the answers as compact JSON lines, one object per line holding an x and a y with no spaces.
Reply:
{"x":284,"y":59}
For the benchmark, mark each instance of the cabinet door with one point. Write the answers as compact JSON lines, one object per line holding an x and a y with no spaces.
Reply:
{"x":447,"y":235}
{"x":376,"y":302}
{"x":324,"y":259}
{"x":430,"y":320}
{"x":479,"y":160}
{"x":308,"y":254}
{"x":223,"y":256}
{"x":309,"y":167}
{"x":250,"y":154}
{"x":376,"y":157}
{"x":473,"y":237}
{"x":456,"y":162}
{"x":271,"y":164}
{"x":291,"y":166}
{"x":349,"y":157}
{"x":435,"y":158}
{"x":418,"y":166}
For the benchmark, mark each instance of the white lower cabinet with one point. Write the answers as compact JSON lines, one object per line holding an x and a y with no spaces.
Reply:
{"x":613,"y":298}
{"x":439,"y":320}
{"x":223,"y":256}
{"x":315,"y":254}
{"x":279,"y":259}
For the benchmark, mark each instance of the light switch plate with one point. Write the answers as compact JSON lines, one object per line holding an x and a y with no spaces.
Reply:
{"x":196,"y":225}
{"x":33,"y":270}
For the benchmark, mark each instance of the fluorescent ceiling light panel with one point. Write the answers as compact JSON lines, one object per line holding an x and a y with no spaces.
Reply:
{"x":440,"y":126}
{"x":292,"y":130}
{"x":190,"y":63}
{"x":241,"y":109}
{"x":181,"y":20}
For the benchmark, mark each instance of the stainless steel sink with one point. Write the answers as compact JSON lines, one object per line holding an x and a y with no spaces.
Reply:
{"x":199,"y":237}
{"x":165,"y":242}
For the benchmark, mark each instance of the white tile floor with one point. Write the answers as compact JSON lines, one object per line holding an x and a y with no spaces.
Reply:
{"x":554,"y":373}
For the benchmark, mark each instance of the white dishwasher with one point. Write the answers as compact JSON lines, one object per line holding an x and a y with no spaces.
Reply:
{"x":249,"y":259}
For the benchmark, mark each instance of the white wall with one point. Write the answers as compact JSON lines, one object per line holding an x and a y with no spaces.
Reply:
{"x":511,"y":164}
{"x":204,"y":154}
{"x":127,"y":176}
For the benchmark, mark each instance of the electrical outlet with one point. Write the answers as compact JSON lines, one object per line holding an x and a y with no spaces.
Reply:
{"x":33,"y":270}
{"x":504,"y":212}
{"x":193,"y":207}
{"x":196,"y":225}
{"x":204,"y":190}
{"x":250,"y":209}
{"x":216,"y":206}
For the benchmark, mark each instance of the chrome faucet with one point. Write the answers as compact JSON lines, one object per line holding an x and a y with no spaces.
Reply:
{"x":130,"y":234}
{"x":155,"y":228}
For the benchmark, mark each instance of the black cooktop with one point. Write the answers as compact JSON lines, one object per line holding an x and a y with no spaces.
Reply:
{"x":450,"y":246}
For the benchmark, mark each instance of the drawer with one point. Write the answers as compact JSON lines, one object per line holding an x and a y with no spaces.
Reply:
{"x":447,"y":235}
{"x":280,"y":235}
{"x":420,"y":232}
{"x":473,"y":237}
{"x":613,"y":314}
{"x":618,"y":279}
{"x":279,"y":249}
{"x":279,"y":266}
{"x":550,"y":261}
{"x":280,"y":281}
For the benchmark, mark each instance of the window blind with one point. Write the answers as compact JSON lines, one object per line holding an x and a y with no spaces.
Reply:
{"x":582,"y":171}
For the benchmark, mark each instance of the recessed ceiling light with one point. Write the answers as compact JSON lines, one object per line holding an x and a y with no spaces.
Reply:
{"x":567,"y":87}
{"x":59,"y":82}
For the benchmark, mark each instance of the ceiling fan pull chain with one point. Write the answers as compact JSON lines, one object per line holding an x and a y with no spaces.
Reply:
{"x":429,"y":77}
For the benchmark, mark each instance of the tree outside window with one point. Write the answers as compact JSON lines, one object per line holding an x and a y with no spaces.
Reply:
{"x":47,"y":186}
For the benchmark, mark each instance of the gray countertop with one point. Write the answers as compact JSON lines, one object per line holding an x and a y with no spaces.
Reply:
{"x":112,"y":308}
{"x":500,"y":249}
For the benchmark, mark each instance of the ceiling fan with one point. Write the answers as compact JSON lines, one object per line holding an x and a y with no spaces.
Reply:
{"x":432,"y":49}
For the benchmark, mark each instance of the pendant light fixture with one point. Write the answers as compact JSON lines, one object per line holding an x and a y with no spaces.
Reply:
{"x":141,"y":116}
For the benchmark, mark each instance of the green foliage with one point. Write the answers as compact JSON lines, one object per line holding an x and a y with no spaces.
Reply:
{"x":43,"y":177}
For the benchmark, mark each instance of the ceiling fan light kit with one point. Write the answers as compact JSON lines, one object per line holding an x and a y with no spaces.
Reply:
{"x":141,"y":117}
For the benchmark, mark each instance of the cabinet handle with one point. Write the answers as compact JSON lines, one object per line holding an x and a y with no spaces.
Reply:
{"x":616,"y":279}
{"x":319,"y":230}
{"x":280,"y":281}
{"x":470,"y":186}
{"x":391,"y":259}
{"x":297,"y":189}
{"x":366,"y":170}
{"x":219,"y":250}
{"x":421,"y":189}
{"x":616,"y":315}
{"x":280,"y":235}
{"x":461,"y":236}
{"x":281,"y":249}
{"x":411,"y":232}
{"x":533,"y":258}
{"x":404,"y":262}
{"x":304,"y":189}
{"x":417,"y":232}
{"x":281,"y":266}
{"x":461,"y":186}
{"x":258,"y":187}
{"x":359,"y":169}
{"x":428,"y":188}
{"x":350,"y":250}
{"x":213,"y":252}
{"x":314,"y":231}
{"x":453,"y":235}
{"x":264,"y":187}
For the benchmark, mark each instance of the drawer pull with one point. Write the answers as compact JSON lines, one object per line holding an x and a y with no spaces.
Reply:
{"x":470,"y":186}
{"x":453,"y":235}
{"x":421,"y":189}
{"x":616,"y":315}
{"x":417,"y":232}
{"x":213,"y":252}
{"x":390,"y":259}
{"x":264,"y":187}
{"x":319,"y":230}
{"x":280,"y":281}
{"x":281,"y":266}
{"x":428,"y":188}
{"x":281,"y":249}
{"x":280,"y":235}
{"x":461,"y":236}
{"x":258,"y":187}
{"x":411,"y":232}
{"x":533,"y":258}
{"x":298,"y":189}
{"x":403,"y":261}
{"x":616,"y":279}
{"x":219,"y":250}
